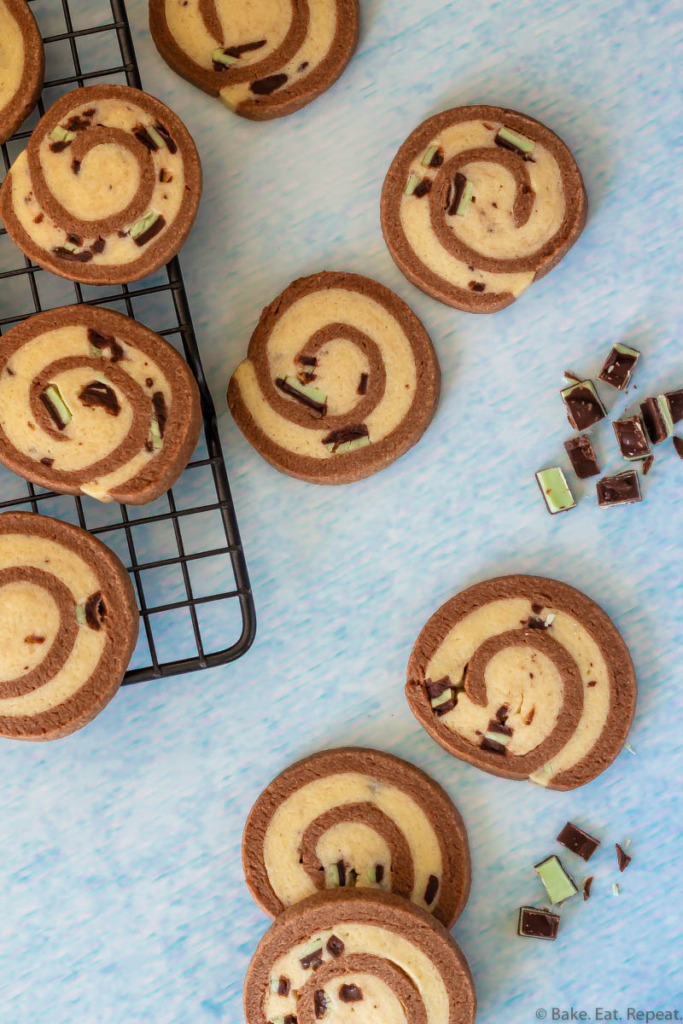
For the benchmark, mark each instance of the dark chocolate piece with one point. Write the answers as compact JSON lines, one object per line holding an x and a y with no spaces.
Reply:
{"x":54,"y":410}
{"x":99,"y":245}
{"x":457,"y":189}
{"x":237,"y":51}
{"x":319,"y":1003}
{"x":95,"y":611}
{"x":293,"y":392}
{"x":619,"y":490}
{"x":584,"y":407}
{"x":73,"y":257}
{"x":538,"y":924}
{"x":284,"y":986}
{"x":341,"y":872}
{"x":675,"y":403}
{"x":338,"y":437}
{"x":578,"y":841}
{"x":160,"y":411}
{"x":165,"y":176}
{"x":33,"y":639}
{"x":78,"y":122}
{"x":307,"y":360}
{"x":379,"y":873}
{"x":350,"y":994}
{"x":678,"y":445}
{"x":422,"y":188}
{"x":47,"y":462}
{"x":153,"y":230}
{"x":649,"y":462}
{"x":143,"y":136}
{"x":100,"y":395}
{"x":582,"y":456}
{"x":163,"y":131}
{"x":75,"y":166}
{"x":535,"y":622}
{"x":623,"y":858}
{"x":362,"y":384}
{"x":654,"y":418}
{"x":587,"y":886}
{"x":499,"y":727}
{"x":630,"y":434}
{"x":335,"y":946}
{"x":476,"y":286}
{"x":312,"y":959}
{"x":618,"y":368}
{"x":493,"y":746}
{"x":266,"y":86}
{"x":105,"y":343}
{"x":290,"y":1018}
{"x":442,"y":688}
{"x":431,"y":889}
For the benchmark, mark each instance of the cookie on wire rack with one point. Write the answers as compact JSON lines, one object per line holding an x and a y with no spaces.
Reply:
{"x":22,"y":66}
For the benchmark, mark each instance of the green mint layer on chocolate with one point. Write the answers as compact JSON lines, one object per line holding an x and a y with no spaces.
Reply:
{"x":53,"y":395}
{"x":558,"y":884}
{"x":348,"y":446}
{"x":141,"y":225}
{"x":219,"y":56}
{"x":154,"y":135}
{"x":429,"y":155}
{"x":665,"y":411}
{"x":498,"y":737}
{"x":624,"y":350}
{"x":412,"y":183}
{"x":332,"y":876}
{"x":515,"y":139}
{"x":59,"y":134}
{"x":555,"y":490}
{"x":465,"y":199}
{"x":315,"y":394}
{"x":447,"y":695}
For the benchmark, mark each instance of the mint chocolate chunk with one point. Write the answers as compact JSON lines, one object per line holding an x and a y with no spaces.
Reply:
{"x":584,"y":407}
{"x":555,"y":490}
{"x":659,"y":422}
{"x":618,"y":368}
{"x":460,"y":195}
{"x":630,"y":434}
{"x":347,"y":439}
{"x":66,"y":253}
{"x":145,"y":229}
{"x":578,"y":841}
{"x":433,"y":156}
{"x":422,"y":188}
{"x":95,"y":611}
{"x":442,"y":695}
{"x":100,"y":395}
{"x":675,"y":402}
{"x":558,"y":884}
{"x":58,"y":410}
{"x":509,"y":139}
{"x":314,"y":398}
{"x":582,"y":456}
{"x":314,"y":956}
{"x":621,"y":489}
{"x":105,"y":344}
{"x":538,"y":924}
{"x":160,"y":411}
{"x":266,"y":86}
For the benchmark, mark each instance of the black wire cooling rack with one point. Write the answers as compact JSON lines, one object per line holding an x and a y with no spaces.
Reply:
{"x":183,"y":551}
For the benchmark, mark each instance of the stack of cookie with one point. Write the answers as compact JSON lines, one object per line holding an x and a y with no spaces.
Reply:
{"x":363,"y":861}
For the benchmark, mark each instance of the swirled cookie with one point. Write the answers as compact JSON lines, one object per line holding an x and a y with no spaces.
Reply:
{"x":478,"y":203}
{"x":22,"y":65}
{"x":356,"y":818}
{"x":350,"y":955}
{"x":265,"y":58}
{"x":340,"y":379}
{"x":68,"y":626}
{"x":92,"y":402}
{"x":526,"y":678}
{"x":107,"y":188}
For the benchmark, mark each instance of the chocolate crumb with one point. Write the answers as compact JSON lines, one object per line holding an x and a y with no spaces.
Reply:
{"x":379,"y":873}
{"x":530,"y":717}
{"x":678,"y":445}
{"x":284,"y":986}
{"x":592,"y":682}
{"x":98,"y":245}
{"x":165,"y":176}
{"x":623,"y":858}
{"x":537,"y":608}
{"x":319,"y":1003}
{"x":302,"y":66}
{"x":350,"y":993}
{"x":33,"y":639}
{"x":47,"y":462}
{"x":149,"y":382}
{"x":648,"y":464}
{"x":39,"y":219}
{"x":362,"y":384}
{"x":587,"y":886}
{"x":75,"y":166}
{"x":431,"y":889}
{"x":476,"y":286}
{"x":335,"y":946}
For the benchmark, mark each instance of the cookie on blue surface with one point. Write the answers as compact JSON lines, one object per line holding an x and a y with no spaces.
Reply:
{"x":340,"y":379}
{"x":22,"y":65}
{"x":350,"y":955}
{"x":264,"y":59}
{"x":478,"y":203}
{"x":107,"y":188}
{"x":356,"y":818}
{"x":526,"y":678}
{"x":92,"y":402}
{"x":68,"y":626}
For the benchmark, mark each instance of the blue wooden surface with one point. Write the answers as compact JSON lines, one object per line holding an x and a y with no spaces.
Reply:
{"x":122,"y":890}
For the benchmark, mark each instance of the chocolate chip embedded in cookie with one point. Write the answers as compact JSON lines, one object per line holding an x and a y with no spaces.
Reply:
{"x":23,"y":65}
{"x":356,"y":818}
{"x":339,"y":381}
{"x":374,"y":952}
{"x":107,"y":188}
{"x":92,"y":402}
{"x":264,"y":60}
{"x":68,"y":626}
{"x":540,"y":684}
{"x":479,"y":203}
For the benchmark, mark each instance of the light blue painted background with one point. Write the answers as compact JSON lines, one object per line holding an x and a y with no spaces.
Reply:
{"x":121,"y":888}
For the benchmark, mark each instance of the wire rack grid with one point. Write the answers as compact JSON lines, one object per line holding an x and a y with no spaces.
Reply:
{"x":183,"y":551}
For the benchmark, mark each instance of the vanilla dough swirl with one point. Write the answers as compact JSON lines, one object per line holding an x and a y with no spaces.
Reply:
{"x":340,"y":379}
{"x":68,"y":626}
{"x":349,"y":955}
{"x":107,"y":189}
{"x":22,"y":65}
{"x":356,"y":818}
{"x":264,"y":58}
{"x":479,"y":203}
{"x":526,"y":678}
{"x":92,"y":402}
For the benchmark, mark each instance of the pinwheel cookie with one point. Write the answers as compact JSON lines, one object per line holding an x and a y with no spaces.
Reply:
{"x":479,"y":203}
{"x":68,"y":626}
{"x":356,"y":818}
{"x":107,"y":188}
{"x":340,"y":379}
{"x":92,"y":402}
{"x":264,"y":59}
{"x":22,"y":65}
{"x":351,"y":955}
{"x":526,"y":678}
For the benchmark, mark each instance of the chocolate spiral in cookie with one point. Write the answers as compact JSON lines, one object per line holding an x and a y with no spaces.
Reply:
{"x":340,"y":379}
{"x":526,"y":678}
{"x":22,"y":65}
{"x":350,"y":955}
{"x":107,"y":188}
{"x":356,"y":818}
{"x":265,"y":58}
{"x":92,"y":402}
{"x":478,"y":203}
{"x":68,"y":626}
